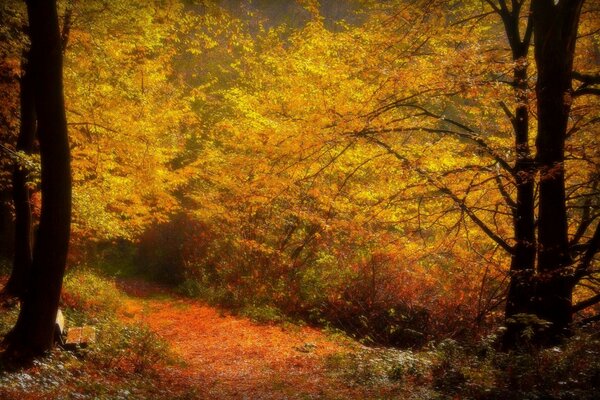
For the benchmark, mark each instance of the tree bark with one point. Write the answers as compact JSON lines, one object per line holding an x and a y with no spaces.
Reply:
{"x":555,"y":35}
{"x":17,"y":282}
{"x":522,"y":269}
{"x":33,"y":333}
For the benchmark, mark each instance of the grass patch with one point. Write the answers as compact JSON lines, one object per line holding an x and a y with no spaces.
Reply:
{"x":263,"y":314}
{"x":128,"y":361}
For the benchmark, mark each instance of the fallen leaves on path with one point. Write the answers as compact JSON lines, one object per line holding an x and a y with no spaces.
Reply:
{"x":230,"y":357}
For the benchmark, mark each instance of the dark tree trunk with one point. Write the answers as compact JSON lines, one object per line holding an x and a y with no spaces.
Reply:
{"x":7,"y":226}
{"x":17,"y":282}
{"x":523,"y":259}
{"x":34,"y":331}
{"x":555,"y":34}
{"x":520,"y":291}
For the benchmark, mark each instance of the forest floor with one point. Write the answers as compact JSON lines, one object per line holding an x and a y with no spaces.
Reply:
{"x":231,"y":357}
{"x":155,"y":344}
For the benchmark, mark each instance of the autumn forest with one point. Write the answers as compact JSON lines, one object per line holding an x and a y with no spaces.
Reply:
{"x":294,"y":199}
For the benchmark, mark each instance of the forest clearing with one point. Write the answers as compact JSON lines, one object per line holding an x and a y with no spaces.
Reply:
{"x":273,"y":199}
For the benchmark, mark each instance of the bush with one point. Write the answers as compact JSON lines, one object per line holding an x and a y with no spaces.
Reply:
{"x":263,"y":314}
{"x":571,"y":371}
{"x":283,"y":259}
{"x":87,"y":292}
{"x":450,"y":369}
{"x":401,"y":371}
{"x":129,"y":347}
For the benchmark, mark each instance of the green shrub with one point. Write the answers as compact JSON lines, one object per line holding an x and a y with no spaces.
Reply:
{"x":571,"y":371}
{"x":132,"y":347}
{"x":214,"y":295}
{"x":263,"y":313}
{"x":85,"y":291}
{"x":5,"y":266}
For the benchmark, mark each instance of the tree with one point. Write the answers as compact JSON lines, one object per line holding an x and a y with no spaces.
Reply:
{"x":547,"y":293}
{"x":22,"y":258}
{"x":429,"y":72}
{"x":522,"y":268}
{"x":555,"y":26}
{"x":34,"y":331}
{"x":550,"y":254}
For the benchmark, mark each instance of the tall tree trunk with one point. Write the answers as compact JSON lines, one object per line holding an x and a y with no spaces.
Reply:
{"x":555,"y":34}
{"x":520,"y":291}
{"x":34,"y":331}
{"x":17,"y":282}
{"x":7,"y":226}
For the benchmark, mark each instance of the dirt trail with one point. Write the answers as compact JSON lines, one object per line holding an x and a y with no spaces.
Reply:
{"x":228,"y":357}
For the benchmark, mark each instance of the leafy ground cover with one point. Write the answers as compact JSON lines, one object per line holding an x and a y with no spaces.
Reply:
{"x":154,"y":344}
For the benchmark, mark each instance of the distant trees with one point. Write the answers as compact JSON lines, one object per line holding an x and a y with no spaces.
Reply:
{"x":34,"y":331}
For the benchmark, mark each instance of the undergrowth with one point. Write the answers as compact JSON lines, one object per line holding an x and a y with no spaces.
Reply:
{"x":127,"y":361}
{"x":450,"y":370}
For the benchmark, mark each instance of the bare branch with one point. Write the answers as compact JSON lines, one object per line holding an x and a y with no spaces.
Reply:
{"x":586,"y":303}
{"x":505,"y":195}
{"x":445,"y":190}
{"x":592,"y":247}
{"x":528,"y":32}
{"x":477,"y":17}
{"x":586,"y":91}
{"x":468,"y":134}
{"x":509,"y":114}
{"x":494,"y":6}
{"x":586,"y":78}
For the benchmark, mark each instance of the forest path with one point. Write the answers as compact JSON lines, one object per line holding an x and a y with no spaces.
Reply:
{"x":230,"y":357}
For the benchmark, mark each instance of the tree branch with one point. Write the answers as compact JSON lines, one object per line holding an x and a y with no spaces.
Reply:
{"x":445,"y":190}
{"x":505,"y":195}
{"x":586,"y":219}
{"x":528,"y":32}
{"x":586,"y":78}
{"x":586,"y":91}
{"x":494,"y":6}
{"x":509,"y":114}
{"x":586,"y":303}
{"x":592,"y":248}
{"x":469,"y":134}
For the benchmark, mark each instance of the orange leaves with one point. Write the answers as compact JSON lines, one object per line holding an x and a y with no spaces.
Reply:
{"x":310,"y":147}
